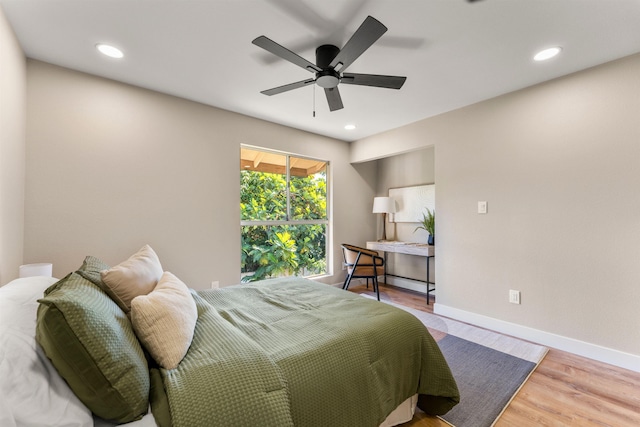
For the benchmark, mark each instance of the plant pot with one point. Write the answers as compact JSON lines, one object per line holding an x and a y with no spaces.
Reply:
{"x":431,"y":240}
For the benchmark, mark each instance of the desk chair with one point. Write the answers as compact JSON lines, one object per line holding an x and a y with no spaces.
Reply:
{"x":362,"y":263}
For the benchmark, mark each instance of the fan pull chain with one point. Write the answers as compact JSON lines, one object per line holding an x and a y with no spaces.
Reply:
{"x":314,"y":100}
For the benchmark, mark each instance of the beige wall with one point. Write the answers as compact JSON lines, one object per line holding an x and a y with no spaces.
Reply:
{"x":559,"y":165}
{"x":111,"y":167}
{"x":12,"y":151}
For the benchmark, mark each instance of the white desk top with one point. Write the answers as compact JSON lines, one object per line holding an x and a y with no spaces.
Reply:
{"x":421,"y":249}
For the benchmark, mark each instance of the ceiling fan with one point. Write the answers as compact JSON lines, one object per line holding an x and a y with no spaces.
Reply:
{"x":331,"y":62}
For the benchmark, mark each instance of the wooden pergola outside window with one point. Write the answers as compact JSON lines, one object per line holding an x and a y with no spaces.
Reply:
{"x":264,"y":161}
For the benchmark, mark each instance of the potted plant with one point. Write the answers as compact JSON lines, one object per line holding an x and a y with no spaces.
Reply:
{"x":428,"y":224}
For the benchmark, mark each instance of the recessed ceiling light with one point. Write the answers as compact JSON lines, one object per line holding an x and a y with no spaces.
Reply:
{"x":545,"y":54}
{"x":350,"y":127}
{"x":109,"y":50}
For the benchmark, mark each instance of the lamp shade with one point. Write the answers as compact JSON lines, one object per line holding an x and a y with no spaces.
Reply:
{"x":40,"y":269}
{"x":384,"y":205}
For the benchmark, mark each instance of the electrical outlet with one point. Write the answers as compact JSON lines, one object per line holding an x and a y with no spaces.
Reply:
{"x":514,"y":296}
{"x":215,"y":284}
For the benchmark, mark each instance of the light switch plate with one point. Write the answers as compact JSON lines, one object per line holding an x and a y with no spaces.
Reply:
{"x":514,"y":296}
{"x":482,"y":207}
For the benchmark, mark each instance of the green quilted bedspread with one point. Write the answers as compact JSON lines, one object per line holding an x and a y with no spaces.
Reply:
{"x":292,"y":352}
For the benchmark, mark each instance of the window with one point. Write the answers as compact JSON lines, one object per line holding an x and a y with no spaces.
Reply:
{"x":283,"y":215}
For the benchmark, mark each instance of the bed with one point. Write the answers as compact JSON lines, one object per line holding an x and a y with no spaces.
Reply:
{"x":281,"y":352}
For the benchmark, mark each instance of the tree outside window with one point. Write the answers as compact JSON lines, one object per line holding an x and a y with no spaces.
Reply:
{"x":284,"y":219}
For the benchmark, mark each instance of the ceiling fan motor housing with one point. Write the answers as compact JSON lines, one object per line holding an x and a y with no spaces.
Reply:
{"x":328,"y":77}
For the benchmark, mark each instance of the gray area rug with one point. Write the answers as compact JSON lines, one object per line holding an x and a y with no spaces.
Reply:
{"x":487,"y":380}
{"x":489,"y":367}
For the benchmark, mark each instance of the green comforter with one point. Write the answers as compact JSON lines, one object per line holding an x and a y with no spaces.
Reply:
{"x":292,"y":352}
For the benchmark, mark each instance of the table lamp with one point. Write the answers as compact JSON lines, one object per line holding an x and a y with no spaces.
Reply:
{"x":384,"y":205}
{"x":38,"y":269}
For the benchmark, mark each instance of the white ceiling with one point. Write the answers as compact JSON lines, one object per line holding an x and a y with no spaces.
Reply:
{"x":453,"y":53}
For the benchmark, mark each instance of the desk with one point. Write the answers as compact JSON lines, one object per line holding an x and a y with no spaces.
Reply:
{"x":418,"y":249}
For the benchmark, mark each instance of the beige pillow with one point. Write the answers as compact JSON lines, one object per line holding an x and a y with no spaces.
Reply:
{"x":138,"y":275}
{"x":164,"y":320}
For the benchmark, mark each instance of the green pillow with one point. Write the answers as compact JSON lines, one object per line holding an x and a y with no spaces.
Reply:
{"x":91,"y":268}
{"x":91,"y":343}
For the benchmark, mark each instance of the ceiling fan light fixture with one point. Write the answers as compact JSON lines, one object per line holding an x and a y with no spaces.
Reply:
{"x":110,"y":51}
{"x":548,"y":53}
{"x":327,"y":79}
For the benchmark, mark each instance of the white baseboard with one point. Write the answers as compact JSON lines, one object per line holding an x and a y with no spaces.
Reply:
{"x":581,"y":348}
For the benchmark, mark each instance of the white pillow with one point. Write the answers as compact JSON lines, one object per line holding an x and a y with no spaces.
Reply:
{"x":164,"y":320}
{"x":138,"y":275}
{"x":32,"y":393}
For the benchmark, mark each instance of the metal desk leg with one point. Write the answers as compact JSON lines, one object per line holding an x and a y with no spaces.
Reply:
{"x":385,"y":268}
{"x":428,"y":280}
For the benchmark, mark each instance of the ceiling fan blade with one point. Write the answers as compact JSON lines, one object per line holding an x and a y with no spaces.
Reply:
{"x":390,"y":82}
{"x":333,"y":98}
{"x":290,"y":86}
{"x":366,"y":35}
{"x":284,"y":53}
